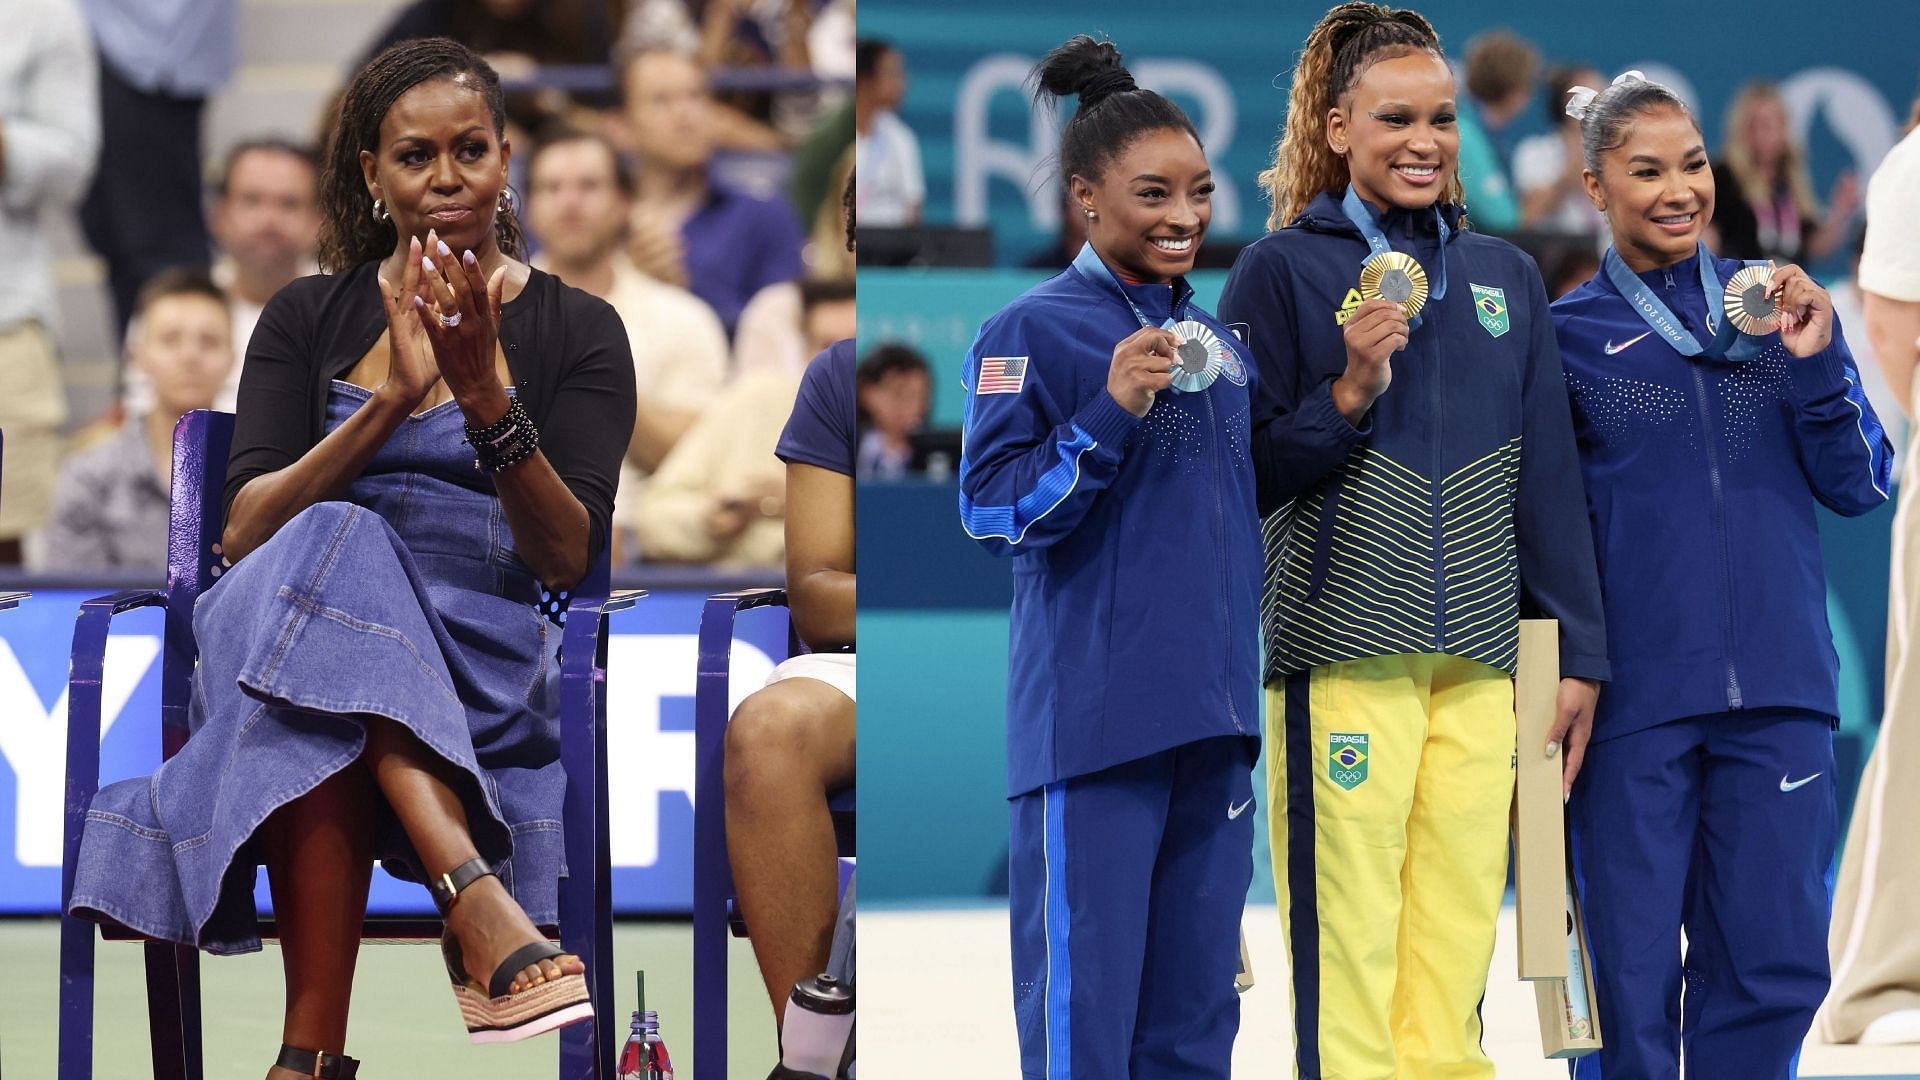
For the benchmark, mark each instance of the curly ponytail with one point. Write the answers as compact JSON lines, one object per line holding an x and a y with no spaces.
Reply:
{"x":1347,"y":41}
{"x":1112,"y":113}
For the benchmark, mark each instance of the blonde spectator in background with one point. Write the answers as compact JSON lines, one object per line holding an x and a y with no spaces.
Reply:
{"x":1764,"y":207}
{"x":110,"y":510}
{"x":720,"y":497}
{"x":1875,"y":997}
{"x":49,"y":136}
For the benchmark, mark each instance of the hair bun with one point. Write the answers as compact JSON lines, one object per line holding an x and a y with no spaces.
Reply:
{"x":1089,"y":69}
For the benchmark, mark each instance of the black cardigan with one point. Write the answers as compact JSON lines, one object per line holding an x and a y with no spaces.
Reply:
{"x":566,"y":350}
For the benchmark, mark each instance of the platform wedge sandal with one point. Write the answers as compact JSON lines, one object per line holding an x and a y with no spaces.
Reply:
{"x":493,"y":1014}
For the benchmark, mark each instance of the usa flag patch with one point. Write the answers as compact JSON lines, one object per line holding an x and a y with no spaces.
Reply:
{"x":1001,"y":375}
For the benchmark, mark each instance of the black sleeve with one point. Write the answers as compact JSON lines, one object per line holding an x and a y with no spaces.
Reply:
{"x":273,"y":420}
{"x":589,"y":422}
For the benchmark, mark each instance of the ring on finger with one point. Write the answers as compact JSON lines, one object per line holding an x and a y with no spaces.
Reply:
{"x":448,"y":322}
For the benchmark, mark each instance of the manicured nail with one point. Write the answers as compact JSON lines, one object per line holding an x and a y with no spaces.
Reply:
{"x":427,"y":262}
{"x":1553,"y":748}
{"x":419,"y":304}
{"x":445,"y":251}
{"x":469,"y":259}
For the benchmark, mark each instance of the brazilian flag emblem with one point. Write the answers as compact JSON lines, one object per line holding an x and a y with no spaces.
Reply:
{"x":1347,"y":759}
{"x":1491,"y":306}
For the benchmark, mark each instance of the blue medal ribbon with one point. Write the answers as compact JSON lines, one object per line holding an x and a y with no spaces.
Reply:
{"x":1362,"y":217}
{"x":1728,"y":343}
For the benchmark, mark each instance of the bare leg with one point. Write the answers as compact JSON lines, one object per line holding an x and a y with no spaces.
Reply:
{"x":319,"y":854}
{"x":787,"y":746}
{"x":419,"y":785}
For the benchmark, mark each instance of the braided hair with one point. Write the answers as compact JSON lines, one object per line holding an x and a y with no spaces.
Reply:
{"x":349,"y":234}
{"x":1112,"y":112}
{"x":1348,"y":40}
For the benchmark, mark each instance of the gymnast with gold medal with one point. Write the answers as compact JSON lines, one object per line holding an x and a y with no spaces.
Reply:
{"x":1416,"y":471}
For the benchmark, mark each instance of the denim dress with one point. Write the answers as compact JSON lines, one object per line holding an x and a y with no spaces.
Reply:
{"x":408,"y":602}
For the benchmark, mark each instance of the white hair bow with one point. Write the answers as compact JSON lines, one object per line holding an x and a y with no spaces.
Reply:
{"x":1579,"y":98}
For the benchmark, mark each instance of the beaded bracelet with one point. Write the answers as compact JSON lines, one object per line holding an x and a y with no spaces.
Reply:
{"x":506,"y":442}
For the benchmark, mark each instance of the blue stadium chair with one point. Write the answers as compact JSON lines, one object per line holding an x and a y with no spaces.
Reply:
{"x":9,"y":599}
{"x":200,"y":444}
{"x":714,"y":910}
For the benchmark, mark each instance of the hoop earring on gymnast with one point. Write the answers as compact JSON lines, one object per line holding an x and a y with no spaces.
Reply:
{"x":380,"y":211}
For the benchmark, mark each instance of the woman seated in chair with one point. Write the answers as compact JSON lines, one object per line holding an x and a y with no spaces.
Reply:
{"x":426,"y":435}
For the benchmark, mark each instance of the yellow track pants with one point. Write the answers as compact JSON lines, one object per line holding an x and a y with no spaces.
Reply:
{"x":1388,"y":792}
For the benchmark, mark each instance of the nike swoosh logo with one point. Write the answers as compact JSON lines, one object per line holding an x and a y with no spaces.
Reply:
{"x":1784,"y":786}
{"x":1612,"y":348}
{"x":1236,"y":811}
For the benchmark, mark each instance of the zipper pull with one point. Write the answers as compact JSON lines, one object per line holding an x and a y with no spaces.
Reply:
{"x":1669,"y":272}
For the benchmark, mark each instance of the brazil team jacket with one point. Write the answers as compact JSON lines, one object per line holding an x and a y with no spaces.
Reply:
{"x":1701,"y":478}
{"x":1136,"y":557}
{"x":1456,"y":505}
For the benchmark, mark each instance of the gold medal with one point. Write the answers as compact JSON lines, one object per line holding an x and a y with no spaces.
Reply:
{"x":1392,"y":275}
{"x":1749,"y":308}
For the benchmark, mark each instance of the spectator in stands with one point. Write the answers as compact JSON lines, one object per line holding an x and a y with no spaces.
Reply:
{"x":892,"y":188}
{"x":792,"y":742}
{"x":1549,"y":170}
{"x":110,"y":507}
{"x":1763,"y":199}
{"x":687,"y":228}
{"x":158,"y":64}
{"x":517,"y":37}
{"x":719,"y":497}
{"x":266,"y":225}
{"x":49,"y":135}
{"x":895,"y":390}
{"x":1500,"y":72}
{"x":1875,"y":997}
{"x":579,"y":197}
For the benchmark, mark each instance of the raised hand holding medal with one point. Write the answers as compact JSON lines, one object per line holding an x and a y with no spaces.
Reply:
{"x":1805,"y":311}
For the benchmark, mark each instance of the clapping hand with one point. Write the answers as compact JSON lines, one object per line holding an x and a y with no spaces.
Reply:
{"x":463,"y":319}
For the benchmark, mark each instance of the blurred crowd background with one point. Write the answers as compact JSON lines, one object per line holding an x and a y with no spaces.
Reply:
{"x":683,"y":159}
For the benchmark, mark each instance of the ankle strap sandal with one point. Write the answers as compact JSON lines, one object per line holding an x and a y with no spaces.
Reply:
{"x":317,"y":1063}
{"x":494,"y":1013}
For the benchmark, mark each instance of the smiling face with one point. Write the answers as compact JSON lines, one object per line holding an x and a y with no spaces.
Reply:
{"x":1397,"y":130}
{"x":440,"y":165}
{"x":1151,"y":205}
{"x":1656,"y":189}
